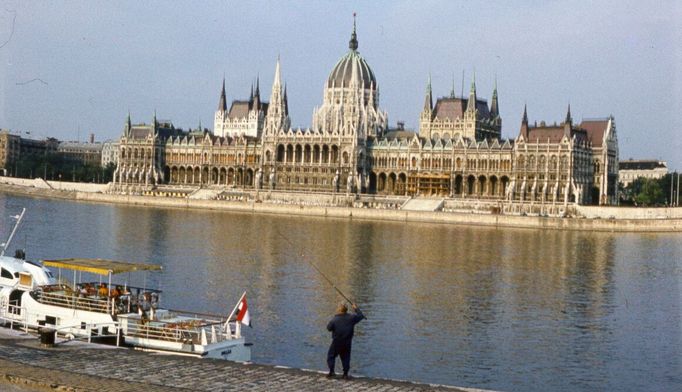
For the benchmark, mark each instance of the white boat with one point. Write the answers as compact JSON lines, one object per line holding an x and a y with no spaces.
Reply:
{"x":32,"y":297}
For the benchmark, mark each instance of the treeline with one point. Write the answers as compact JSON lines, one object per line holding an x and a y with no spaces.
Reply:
{"x":60,"y":168}
{"x":651,"y":191}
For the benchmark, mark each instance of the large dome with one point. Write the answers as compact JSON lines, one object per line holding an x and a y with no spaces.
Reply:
{"x":342,"y":74}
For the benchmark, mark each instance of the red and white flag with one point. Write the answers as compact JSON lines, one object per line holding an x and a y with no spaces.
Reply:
{"x":243,"y":312}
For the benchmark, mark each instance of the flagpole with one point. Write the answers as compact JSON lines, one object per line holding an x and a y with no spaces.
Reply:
{"x":235,"y":307}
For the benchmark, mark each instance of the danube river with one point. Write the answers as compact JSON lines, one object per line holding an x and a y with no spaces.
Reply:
{"x":488,"y":308}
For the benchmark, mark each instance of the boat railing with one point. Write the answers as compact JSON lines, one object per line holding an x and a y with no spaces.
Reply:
{"x":19,"y":315}
{"x":64,"y":296}
{"x":180,"y":327}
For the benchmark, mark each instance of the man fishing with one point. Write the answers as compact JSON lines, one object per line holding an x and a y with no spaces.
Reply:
{"x":342,"y":326}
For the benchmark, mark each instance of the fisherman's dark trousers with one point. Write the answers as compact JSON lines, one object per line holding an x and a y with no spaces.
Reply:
{"x":343,"y":351}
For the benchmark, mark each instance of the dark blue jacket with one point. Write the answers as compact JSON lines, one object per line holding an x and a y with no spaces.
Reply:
{"x":342,"y":326}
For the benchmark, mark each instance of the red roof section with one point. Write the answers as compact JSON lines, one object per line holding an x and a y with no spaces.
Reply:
{"x":595,"y":130}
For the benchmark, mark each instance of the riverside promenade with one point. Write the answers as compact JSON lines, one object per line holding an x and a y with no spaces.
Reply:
{"x":79,"y":367}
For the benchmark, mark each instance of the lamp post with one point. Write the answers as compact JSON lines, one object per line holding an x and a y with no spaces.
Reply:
{"x":677,"y":203}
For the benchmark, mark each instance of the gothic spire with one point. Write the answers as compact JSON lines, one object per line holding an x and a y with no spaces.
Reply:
{"x":258,"y":86}
{"x":222,"y":104}
{"x":569,"y":119}
{"x":278,"y":79}
{"x":129,"y":125}
{"x":471,"y":103}
{"x":428,"y":99}
{"x":494,"y":108}
{"x":525,"y":129}
{"x":286,"y":101}
{"x":452,"y":91}
{"x":353,"y":44}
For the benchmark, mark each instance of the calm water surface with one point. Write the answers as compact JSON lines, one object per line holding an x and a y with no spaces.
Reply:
{"x":478,"y":307}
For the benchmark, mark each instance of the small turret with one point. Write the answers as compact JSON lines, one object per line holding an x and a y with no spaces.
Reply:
{"x":568,"y":122}
{"x":494,"y":108}
{"x":452,"y":90}
{"x":428,"y":98}
{"x":286,"y":101}
{"x":128,"y":126}
{"x":222,"y":104}
{"x":471,"y":103}
{"x":524,"y":123}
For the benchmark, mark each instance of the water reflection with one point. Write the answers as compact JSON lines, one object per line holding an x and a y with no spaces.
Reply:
{"x":480,"y":307}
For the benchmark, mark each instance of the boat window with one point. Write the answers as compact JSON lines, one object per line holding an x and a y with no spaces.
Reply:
{"x":6,"y":274}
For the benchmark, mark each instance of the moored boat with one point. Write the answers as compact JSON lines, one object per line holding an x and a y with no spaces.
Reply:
{"x":31,"y":297}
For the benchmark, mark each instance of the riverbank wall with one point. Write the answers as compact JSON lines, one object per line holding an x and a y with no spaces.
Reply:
{"x":608,"y":219}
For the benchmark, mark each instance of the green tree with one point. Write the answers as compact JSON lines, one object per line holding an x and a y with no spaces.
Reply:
{"x":647,"y":192}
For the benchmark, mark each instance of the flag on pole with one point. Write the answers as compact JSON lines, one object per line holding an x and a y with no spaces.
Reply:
{"x":243,"y":312}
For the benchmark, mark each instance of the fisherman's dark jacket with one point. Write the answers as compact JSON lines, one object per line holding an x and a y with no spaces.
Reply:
{"x":342,"y":327}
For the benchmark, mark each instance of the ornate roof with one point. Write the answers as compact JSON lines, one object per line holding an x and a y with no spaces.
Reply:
{"x":342,"y":73}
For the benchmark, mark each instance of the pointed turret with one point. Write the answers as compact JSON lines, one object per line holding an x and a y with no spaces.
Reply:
{"x":494,"y":108}
{"x":286,"y":102}
{"x":222,"y":104}
{"x":524,"y":123}
{"x":155,"y":123}
{"x":568,"y":123}
{"x":428,"y":99}
{"x":256,"y":95}
{"x":353,"y":44}
{"x":128,"y":126}
{"x":471,"y":103}
{"x":278,"y":78}
{"x":452,"y":91}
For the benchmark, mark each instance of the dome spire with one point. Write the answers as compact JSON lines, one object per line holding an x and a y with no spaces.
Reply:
{"x":353,"y":44}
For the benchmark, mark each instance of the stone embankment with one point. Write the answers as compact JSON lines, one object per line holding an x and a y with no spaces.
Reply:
{"x":610,"y":219}
{"x":76,"y":366}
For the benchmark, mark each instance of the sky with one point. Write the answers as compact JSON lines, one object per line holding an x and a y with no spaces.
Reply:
{"x":68,"y":69}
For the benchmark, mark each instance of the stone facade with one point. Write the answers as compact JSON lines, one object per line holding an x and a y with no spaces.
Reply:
{"x":110,"y":152}
{"x":84,"y":153}
{"x":632,"y":169}
{"x":13,"y":147}
{"x":457,"y":153}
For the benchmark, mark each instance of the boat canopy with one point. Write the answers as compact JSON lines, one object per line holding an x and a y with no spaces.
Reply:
{"x":100,"y":266}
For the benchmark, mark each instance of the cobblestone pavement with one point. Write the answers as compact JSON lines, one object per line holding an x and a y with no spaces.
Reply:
{"x":78,"y":367}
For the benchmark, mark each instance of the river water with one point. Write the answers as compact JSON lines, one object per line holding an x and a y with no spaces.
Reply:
{"x":500,"y":309}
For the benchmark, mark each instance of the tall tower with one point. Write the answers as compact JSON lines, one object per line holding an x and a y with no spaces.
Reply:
{"x":221,"y":113}
{"x":277,"y":117}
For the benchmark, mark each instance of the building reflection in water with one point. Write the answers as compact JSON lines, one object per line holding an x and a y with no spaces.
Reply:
{"x":484,"y":307}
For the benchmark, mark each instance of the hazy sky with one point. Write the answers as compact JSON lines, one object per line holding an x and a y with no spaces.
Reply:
{"x":68,"y":69}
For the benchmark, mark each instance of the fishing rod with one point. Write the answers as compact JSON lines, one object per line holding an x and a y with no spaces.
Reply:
{"x":316,"y":268}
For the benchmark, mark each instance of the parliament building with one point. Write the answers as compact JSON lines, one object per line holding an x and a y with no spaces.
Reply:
{"x":457,"y":153}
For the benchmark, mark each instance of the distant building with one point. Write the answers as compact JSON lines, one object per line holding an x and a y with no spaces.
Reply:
{"x":458,"y":152}
{"x":631,"y":170}
{"x":80,"y":152}
{"x":110,"y":152}
{"x":13,"y":148}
